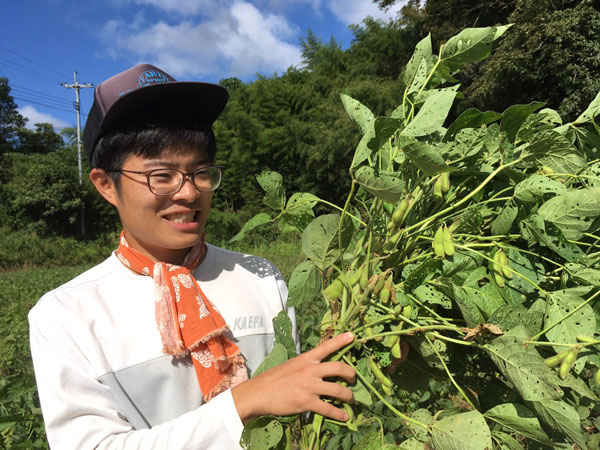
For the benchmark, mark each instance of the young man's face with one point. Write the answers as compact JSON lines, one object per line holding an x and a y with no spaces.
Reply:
{"x":162,"y":227}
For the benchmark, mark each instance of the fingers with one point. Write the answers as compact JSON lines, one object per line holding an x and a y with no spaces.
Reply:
{"x":328,"y":410}
{"x":336,"y":369}
{"x":330,"y":346}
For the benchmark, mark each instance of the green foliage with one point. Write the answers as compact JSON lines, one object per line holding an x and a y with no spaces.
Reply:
{"x":512,"y":282}
{"x":42,"y":139}
{"x":44,"y":194}
{"x":533,"y":61}
{"x":21,"y":425}
{"x":21,"y":248}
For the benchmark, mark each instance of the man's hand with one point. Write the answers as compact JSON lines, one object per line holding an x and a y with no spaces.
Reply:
{"x":297,"y":385}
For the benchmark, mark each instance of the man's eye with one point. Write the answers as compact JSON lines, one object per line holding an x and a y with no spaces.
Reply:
{"x":161,"y":175}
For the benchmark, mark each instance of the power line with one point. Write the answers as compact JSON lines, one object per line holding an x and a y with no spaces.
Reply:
{"x":41,"y":93}
{"x":29,"y":71}
{"x":42,"y":104}
{"x":31,"y":61}
{"x":44,"y":99}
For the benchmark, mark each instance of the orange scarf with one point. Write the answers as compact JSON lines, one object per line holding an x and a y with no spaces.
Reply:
{"x":187,"y":321}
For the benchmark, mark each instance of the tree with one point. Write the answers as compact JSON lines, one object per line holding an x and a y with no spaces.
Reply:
{"x":550,"y":54}
{"x":10,"y":122}
{"x":41,"y":140}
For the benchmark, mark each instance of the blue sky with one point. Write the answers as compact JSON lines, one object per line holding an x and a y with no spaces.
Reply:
{"x":43,"y":42}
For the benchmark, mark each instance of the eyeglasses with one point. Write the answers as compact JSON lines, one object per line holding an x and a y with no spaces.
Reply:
{"x":169,"y":181}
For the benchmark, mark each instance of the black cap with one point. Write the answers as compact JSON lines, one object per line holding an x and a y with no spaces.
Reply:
{"x":146,"y":94}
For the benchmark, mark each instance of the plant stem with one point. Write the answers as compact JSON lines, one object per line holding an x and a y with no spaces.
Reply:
{"x":385,"y":402}
{"x":468,"y":196}
{"x":543,"y":292}
{"x":449,"y":374}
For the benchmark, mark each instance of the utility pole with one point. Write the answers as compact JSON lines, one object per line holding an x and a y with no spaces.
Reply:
{"x":76,"y":86}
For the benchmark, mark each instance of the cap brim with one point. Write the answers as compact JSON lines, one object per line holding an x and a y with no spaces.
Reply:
{"x":174,"y":102}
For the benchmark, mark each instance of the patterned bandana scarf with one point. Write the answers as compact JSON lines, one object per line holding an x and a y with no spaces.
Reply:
{"x":187,"y":321}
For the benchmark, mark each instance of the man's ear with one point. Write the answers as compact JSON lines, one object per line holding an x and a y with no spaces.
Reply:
{"x":105,"y":185}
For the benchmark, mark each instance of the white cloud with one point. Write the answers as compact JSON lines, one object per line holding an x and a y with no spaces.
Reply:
{"x":355,"y":11}
{"x":35,"y":116}
{"x":237,"y":39}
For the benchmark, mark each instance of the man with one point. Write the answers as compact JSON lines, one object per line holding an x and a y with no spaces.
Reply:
{"x":136,"y":352}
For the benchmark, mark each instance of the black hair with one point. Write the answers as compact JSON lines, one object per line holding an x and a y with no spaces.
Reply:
{"x":149,"y":141}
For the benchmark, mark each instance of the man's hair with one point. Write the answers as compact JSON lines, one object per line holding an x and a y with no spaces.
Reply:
{"x":113,"y":149}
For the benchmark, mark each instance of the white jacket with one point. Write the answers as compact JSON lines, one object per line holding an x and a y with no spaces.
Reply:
{"x":103,"y":380}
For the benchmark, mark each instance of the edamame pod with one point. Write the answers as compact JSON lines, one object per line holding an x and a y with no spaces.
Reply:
{"x":555,"y":360}
{"x":438,"y":243}
{"x":597,"y":376}
{"x":400,"y":211}
{"x":445,"y":181}
{"x":497,"y":269}
{"x":437,"y":188}
{"x":334,"y":290}
{"x":503,"y":259}
{"x":567,"y":363}
{"x":397,"y":349}
{"x":384,"y":380}
{"x":448,"y":245}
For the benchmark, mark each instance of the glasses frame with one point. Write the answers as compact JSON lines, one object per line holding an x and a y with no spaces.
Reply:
{"x":184,"y":175}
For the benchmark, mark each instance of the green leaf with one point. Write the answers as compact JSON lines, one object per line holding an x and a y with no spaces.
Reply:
{"x":256,"y":221}
{"x":471,"y":118}
{"x":467,"y":300}
{"x":561,"y":417}
{"x":503,"y":223}
{"x":262,"y":433}
{"x":304,"y":284}
{"x":552,"y":150}
{"x":590,"y":112}
{"x":301,"y":203}
{"x":374,"y":441}
{"x":520,"y":419}
{"x":278,"y":355}
{"x":363,"y":151}
{"x":383,"y":127}
{"x":462,"y":431}
{"x":423,"y":52}
{"x":321,"y":239}
{"x":385,"y":187}
{"x":533,"y":188}
{"x":432,"y":114}
{"x":587,"y":276}
{"x":358,"y":112}
{"x":420,"y":77}
{"x":551,"y":238}
{"x":559,"y":304}
{"x":514,"y":116}
{"x":426,"y":157}
{"x":420,"y":273}
{"x":412,"y":444}
{"x":506,"y":441}
{"x":361,"y":393}
{"x":431,"y":296}
{"x":470,"y":45}
{"x":524,"y":367}
{"x":425,"y":417}
{"x":572,"y":212}
{"x":272,"y":184}
{"x":282,"y":326}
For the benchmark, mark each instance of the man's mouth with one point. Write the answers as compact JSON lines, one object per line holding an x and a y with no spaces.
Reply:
{"x":181,"y":217}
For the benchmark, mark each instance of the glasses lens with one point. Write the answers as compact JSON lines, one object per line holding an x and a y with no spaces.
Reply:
{"x":164,"y":181}
{"x":207,"y":179}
